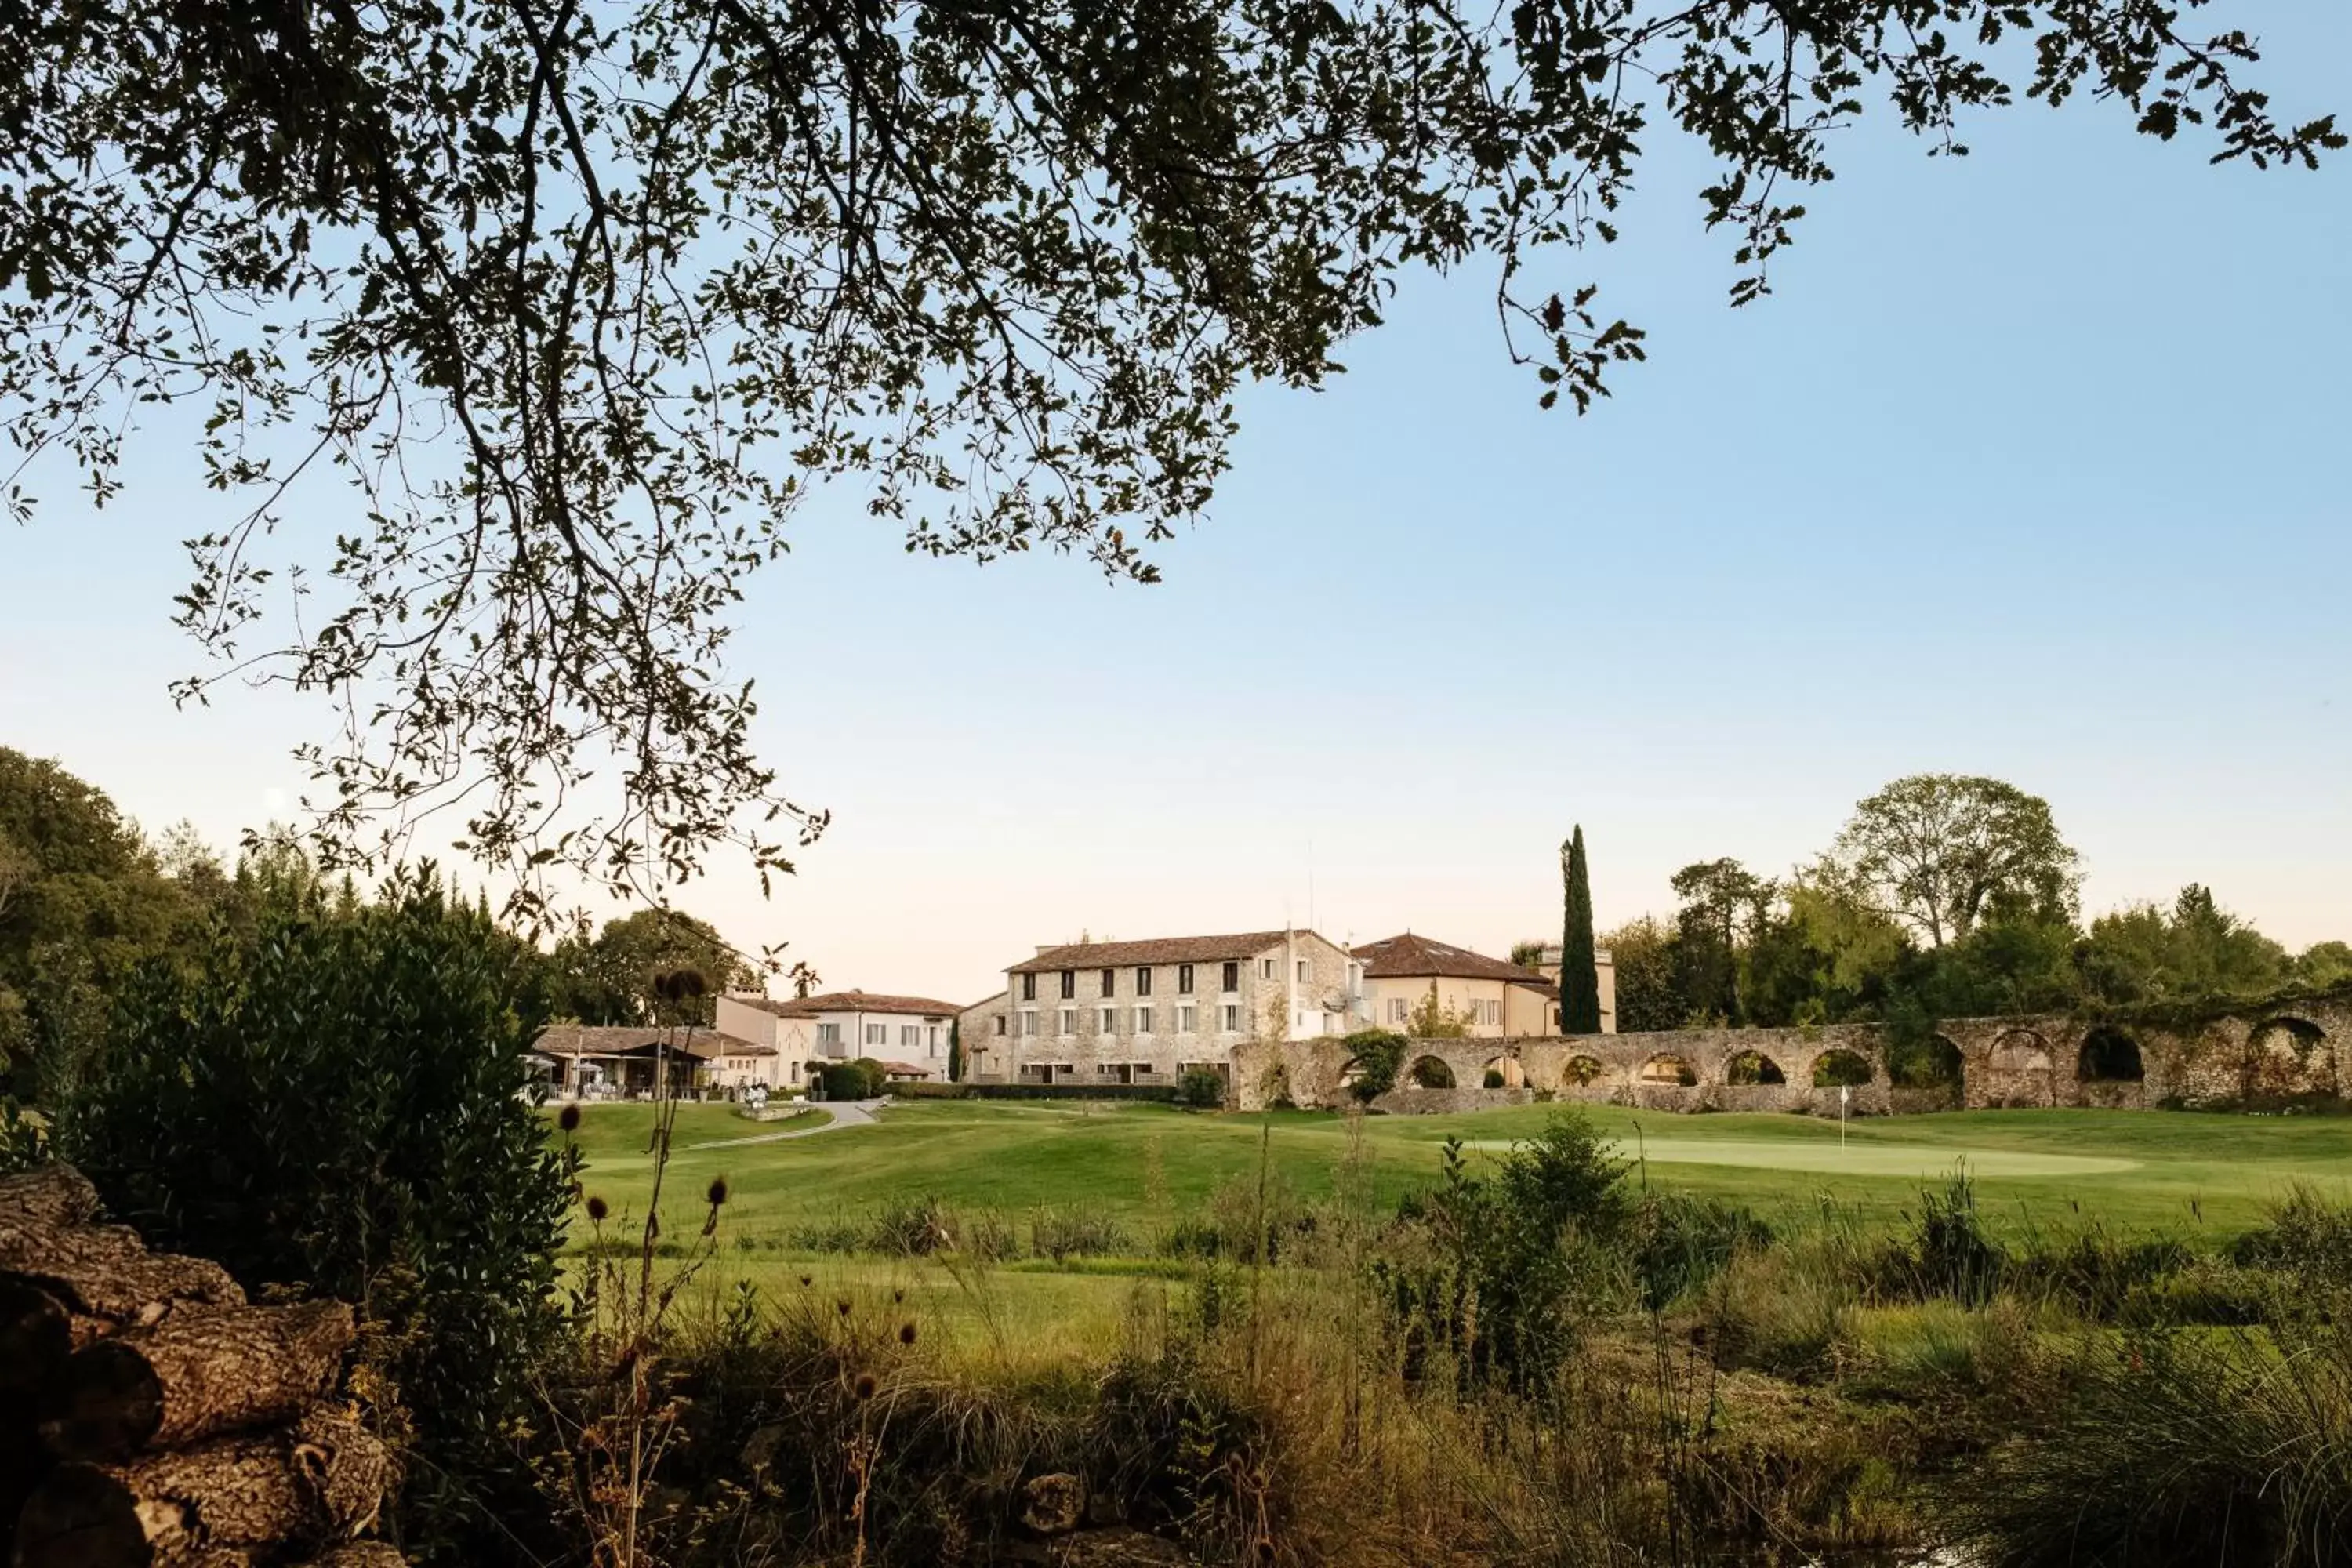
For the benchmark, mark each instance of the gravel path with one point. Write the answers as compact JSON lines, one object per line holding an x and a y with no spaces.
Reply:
{"x":844,"y":1113}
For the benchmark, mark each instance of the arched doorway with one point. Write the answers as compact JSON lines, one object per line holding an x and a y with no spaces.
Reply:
{"x":1667,"y":1070}
{"x":2020,"y":1070}
{"x":1753,"y":1070}
{"x":2287,"y":1057}
{"x":2109,"y":1056}
{"x":1504,"y":1072}
{"x":1429,"y":1072}
{"x":1582,"y":1070}
{"x":1840,"y":1069}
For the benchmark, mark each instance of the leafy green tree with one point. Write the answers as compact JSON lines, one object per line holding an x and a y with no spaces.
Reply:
{"x":609,"y":979}
{"x":1938,"y":851}
{"x":2323,"y":965}
{"x":955,"y":1050}
{"x":81,"y":902}
{"x":2198,"y":948}
{"x":1820,"y":956}
{"x":1433,"y":1020}
{"x":584,"y":300}
{"x":1646,"y":958}
{"x":1721,"y":900}
{"x":335,"y":1104}
{"x":1579,"y":982}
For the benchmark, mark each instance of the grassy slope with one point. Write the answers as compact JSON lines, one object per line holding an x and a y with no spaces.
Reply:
{"x":1148,"y":1165}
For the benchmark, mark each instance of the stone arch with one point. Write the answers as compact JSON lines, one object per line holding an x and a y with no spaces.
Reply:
{"x":2021,"y":1050}
{"x":2109,"y":1056}
{"x":1838,"y":1068}
{"x":1933,"y":1063}
{"x":1581,"y":1069}
{"x":1429,"y":1072}
{"x":1667,"y":1068}
{"x":2287,"y":1055}
{"x":1753,"y":1067}
{"x":1504,"y":1072}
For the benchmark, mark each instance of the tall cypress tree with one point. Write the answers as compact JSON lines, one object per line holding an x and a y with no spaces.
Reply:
{"x":1580,"y":986}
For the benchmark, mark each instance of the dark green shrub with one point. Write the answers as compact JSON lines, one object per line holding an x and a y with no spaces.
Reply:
{"x":1513,"y":1251}
{"x":1202,"y":1089}
{"x":1947,"y":1252}
{"x":334,"y":1104}
{"x":1494,"y":1079}
{"x":2176,"y":1450}
{"x":863,"y":1079}
{"x":2307,"y":1238}
{"x":911,"y":1228}
{"x":1678,"y":1244}
{"x":1065,"y":1233}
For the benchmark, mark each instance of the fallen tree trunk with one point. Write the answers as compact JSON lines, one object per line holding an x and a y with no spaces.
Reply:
{"x":363,"y":1555}
{"x":307,"y":1489}
{"x":103,"y":1272}
{"x":47,"y":1197}
{"x":201,"y":1372}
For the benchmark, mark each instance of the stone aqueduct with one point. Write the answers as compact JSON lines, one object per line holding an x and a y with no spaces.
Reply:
{"x":2282,"y":1053}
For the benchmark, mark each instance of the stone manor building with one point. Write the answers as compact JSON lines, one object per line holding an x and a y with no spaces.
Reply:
{"x":1146,"y":1012}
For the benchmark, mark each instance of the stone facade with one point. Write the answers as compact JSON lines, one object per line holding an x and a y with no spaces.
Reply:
{"x":2278,"y":1054}
{"x":1121,"y":1013}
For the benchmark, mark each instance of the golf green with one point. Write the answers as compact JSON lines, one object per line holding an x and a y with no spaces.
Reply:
{"x":1918,"y":1161}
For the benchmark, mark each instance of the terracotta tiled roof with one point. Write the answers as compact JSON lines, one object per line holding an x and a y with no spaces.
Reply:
{"x":850,"y":1002}
{"x":1162,"y":949}
{"x":1410,"y":957}
{"x":906,"y":1069}
{"x":607,"y":1040}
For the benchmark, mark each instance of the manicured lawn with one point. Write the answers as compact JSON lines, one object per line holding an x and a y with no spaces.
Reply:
{"x":1146,"y":1166}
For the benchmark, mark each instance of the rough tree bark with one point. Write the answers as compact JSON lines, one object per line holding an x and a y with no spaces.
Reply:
{"x":308,"y":1487}
{"x":201,"y":1372}
{"x":47,"y":1197}
{"x":103,"y":1272}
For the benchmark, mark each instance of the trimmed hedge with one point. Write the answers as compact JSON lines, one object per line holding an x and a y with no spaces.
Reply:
{"x":1164,"y":1093}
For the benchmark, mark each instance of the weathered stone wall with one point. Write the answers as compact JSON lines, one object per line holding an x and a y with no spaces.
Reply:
{"x":2282,"y":1054}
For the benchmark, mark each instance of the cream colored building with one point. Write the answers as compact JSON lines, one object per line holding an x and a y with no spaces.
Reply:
{"x":1490,"y":998}
{"x":1146,"y":1012}
{"x":908,"y":1034}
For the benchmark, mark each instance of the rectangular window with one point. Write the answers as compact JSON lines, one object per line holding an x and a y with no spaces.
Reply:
{"x":876,"y":1034}
{"x":1232,"y":978}
{"x":1110,"y":981}
{"x":1028,"y":988}
{"x":1069,"y":983}
{"x":1028,"y":1020}
{"x":1303,"y":975}
{"x":934,"y":1042}
{"x":1400,"y":1010}
{"x":1000,"y":1023}
{"x":1265,"y":968}
{"x":1232,"y":1024}
{"x":1188,"y":1020}
{"x":1067,"y":1023}
{"x":909,"y":1035}
{"x":828,"y":1034}
{"x":1144,"y":981}
{"x":1107,"y":1021}
{"x":1183,"y":980}
{"x":1143,"y":1020}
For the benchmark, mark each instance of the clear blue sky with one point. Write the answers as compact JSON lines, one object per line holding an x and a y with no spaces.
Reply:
{"x":2035,"y":465}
